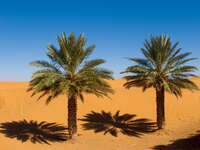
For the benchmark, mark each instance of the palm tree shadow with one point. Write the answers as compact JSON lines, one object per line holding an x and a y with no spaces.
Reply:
{"x":190,"y":143}
{"x":33,"y":131}
{"x":108,"y":123}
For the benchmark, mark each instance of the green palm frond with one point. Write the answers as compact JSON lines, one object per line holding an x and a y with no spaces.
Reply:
{"x":69,"y":71}
{"x":142,"y":62}
{"x":163,"y":65}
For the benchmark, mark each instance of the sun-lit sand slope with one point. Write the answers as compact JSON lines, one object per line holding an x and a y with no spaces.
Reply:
{"x":182,"y":115}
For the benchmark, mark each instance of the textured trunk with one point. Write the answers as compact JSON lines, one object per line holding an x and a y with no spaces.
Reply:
{"x":72,"y":115}
{"x":160,"y":106}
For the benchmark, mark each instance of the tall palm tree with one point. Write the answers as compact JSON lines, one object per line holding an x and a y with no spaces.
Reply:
{"x":69,"y":73}
{"x":164,"y":69}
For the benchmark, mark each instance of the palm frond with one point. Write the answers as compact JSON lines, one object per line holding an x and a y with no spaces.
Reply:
{"x":163,"y":65}
{"x":69,"y":71}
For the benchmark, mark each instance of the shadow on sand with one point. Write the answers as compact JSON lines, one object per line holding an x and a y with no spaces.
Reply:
{"x":33,"y":131}
{"x":190,"y":143}
{"x":108,"y":123}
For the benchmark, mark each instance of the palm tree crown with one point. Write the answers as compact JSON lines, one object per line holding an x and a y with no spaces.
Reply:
{"x":163,"y":66}
{"x":68,"y":72}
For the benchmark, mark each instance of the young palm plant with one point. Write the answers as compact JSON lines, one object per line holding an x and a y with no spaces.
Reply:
{"x":69,"y":73}
{"x":164,"y":68}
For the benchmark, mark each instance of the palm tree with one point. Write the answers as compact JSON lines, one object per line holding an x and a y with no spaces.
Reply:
{"x":69,"y":73}
{"x":164,"y":69}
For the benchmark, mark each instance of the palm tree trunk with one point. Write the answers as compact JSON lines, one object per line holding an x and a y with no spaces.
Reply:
{"x":72,"y":115}
{"x":160,"y":106}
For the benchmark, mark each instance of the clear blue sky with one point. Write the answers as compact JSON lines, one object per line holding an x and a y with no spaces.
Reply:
{"x":117,"y":27}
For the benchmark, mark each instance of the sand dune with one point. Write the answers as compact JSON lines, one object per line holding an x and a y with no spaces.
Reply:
{"x":182,"y":115}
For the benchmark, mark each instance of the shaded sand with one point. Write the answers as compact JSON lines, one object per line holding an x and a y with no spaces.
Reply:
{"x":182,"y":115}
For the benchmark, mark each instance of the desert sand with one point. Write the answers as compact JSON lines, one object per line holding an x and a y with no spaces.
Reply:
{"x":182,"y":117}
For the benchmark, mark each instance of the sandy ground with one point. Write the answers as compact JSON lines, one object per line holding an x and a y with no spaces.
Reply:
{"x":182,"y":117}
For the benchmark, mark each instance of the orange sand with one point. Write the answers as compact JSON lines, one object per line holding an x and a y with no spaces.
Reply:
{"x":182,"y":116}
